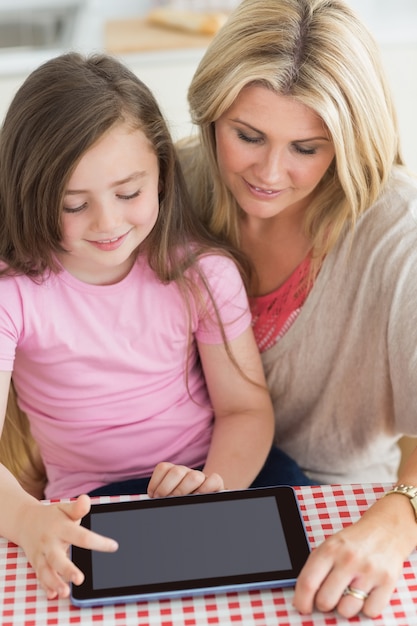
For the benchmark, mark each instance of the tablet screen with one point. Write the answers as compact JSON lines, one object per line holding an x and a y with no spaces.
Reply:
{"x":193,"y":544}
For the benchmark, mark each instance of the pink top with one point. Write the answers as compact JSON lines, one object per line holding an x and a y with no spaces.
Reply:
{"x":274,"y":313}
{"x":100,"y":370}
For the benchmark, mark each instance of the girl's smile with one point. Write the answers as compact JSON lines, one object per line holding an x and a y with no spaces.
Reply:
{"x":110,"y":244}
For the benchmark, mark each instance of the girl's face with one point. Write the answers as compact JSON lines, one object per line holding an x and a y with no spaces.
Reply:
{"x":110,"y":206}
{"x":272,"y":152}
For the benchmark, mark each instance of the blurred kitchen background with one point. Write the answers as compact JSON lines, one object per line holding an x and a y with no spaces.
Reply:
{"x":32,"y":31}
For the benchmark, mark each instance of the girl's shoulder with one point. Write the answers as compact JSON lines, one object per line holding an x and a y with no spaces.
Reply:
{"x":216,"y":265}
{"x":22,"y":281}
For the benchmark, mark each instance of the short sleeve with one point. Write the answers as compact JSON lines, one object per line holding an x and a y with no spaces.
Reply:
{"x":10,"y":321}
{"x":227,"y":296}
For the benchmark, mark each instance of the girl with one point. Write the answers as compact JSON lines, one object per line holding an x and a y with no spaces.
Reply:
{"x":113,"y":301}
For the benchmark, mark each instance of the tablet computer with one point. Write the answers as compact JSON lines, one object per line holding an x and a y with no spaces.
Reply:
{"x":195,"y":544}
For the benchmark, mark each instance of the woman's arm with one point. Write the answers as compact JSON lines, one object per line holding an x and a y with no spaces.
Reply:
{"x":367,"y":555}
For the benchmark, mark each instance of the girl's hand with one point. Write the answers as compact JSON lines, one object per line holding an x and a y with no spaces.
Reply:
{"x":367,"y":556}
{"x":177,"y":480}
{"x":47,"y":531}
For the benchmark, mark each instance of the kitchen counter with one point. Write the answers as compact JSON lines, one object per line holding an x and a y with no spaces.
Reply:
{"x":136,"y":35}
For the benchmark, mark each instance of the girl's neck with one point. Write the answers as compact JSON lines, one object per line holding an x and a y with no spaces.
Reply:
{"x":96,"y":276}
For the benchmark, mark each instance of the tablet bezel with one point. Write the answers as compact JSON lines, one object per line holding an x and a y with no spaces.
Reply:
{"x":293,"y":528}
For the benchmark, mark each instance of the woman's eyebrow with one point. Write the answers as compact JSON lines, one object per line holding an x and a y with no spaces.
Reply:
{"x":260,"y":132}
{"x":239,"y":121}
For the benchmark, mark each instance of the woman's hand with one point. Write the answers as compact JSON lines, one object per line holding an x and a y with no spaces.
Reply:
{"x":178,"y":480}
{"x":46,"y":532}
{"x":367,"y":556}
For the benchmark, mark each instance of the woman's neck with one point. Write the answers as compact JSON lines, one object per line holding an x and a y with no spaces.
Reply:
{"x":276,"y":247}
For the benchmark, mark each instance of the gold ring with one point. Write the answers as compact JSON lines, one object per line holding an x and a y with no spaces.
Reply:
{"x":356,"y":593}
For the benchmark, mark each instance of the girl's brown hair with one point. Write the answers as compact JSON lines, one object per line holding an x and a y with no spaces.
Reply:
{"x":59,"y":112}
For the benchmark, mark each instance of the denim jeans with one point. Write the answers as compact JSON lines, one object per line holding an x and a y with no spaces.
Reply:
{"x":279,"y":469}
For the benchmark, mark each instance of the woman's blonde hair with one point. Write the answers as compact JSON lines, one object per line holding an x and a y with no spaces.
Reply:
{"x":319,"y":53}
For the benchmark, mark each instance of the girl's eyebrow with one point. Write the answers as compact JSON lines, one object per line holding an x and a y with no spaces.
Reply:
{"x":260,"y":132}
{"x":128,"y":179}
{"x":132,"y":177}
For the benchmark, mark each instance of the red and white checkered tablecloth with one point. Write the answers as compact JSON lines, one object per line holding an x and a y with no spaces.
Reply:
{"x":325,"y":509}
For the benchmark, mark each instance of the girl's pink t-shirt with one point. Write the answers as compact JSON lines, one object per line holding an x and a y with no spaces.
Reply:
{"x":100,"y":370}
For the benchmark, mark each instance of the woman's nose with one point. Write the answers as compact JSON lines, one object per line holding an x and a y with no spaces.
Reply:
{"x":271,"y":167}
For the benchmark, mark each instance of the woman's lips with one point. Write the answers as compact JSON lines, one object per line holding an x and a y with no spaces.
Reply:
{"x":107,"y":245}
{"x":263,"y":192}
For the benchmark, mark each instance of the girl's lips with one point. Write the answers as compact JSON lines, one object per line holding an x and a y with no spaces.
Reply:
{"x":107,"y":245}
{"x":261,"y":192}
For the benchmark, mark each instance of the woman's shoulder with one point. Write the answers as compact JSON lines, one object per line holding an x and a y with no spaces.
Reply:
{"x":401,"y":186}
{"x":395,"y":211}
{"x":385,"y":236}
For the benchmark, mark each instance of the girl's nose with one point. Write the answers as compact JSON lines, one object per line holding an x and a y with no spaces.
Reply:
{"x":105,"y":218}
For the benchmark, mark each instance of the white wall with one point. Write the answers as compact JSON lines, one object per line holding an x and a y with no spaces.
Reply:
{"x":394,"y":25}
{"x":401,"y":65}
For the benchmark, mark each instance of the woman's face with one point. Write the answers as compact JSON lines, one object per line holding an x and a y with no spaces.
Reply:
{"x":272,"y":152}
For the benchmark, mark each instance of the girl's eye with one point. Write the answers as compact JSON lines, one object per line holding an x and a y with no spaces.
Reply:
{"x":77,"y":209}
{"x":303,"y":150}
{"x":128,"y":196}
{"x":247,"y":138}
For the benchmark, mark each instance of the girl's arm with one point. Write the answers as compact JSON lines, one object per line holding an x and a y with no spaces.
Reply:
{"x":44,"y":531}
{"x":244,"y":417}
{"x":243,"y":424}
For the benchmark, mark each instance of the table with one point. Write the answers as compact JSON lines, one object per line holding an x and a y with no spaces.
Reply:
{"x":325,"y":509}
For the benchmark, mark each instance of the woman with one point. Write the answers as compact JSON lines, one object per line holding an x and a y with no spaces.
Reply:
{"x":298,"y":166}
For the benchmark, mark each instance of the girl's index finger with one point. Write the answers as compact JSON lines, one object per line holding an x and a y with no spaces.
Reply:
{"x":89,"y":540}
{"x":77,"y":535}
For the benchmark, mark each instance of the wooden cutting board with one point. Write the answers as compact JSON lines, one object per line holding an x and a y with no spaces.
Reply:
{"x":136,"y":35}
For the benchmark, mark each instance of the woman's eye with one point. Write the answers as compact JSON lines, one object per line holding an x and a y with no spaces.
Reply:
{"x":129,"y":196}
{"x":304,"y":150}
{"x":247,"y":138}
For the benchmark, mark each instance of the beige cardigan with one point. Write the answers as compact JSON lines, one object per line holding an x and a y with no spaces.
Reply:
{"x":344,"y":378}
